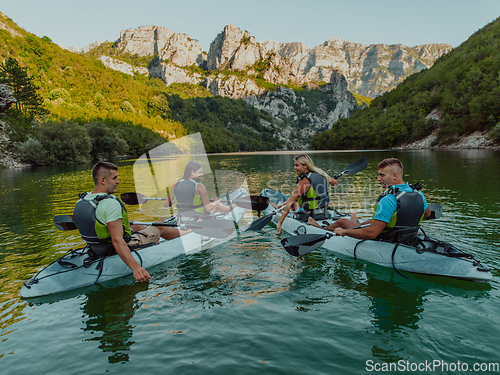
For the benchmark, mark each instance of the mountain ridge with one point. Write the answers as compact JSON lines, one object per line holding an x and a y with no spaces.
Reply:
{"x":370,"y":70}
{"x":457,"y":96}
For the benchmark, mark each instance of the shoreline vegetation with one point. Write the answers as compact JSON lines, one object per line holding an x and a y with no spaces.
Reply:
{"x":477,"y":140}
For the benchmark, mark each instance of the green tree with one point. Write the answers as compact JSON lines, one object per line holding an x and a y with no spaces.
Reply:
{"x":106,"y":143}
{"x":56,"y":143}
{"x":29,"y":103}
{"x":159,"y":105}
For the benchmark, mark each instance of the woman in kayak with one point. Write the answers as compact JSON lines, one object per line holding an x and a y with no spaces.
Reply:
{"x":190,"y":195}
{"x":310,"y":197}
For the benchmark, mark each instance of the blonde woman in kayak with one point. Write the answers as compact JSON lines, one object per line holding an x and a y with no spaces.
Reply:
{"x":310,"y":197}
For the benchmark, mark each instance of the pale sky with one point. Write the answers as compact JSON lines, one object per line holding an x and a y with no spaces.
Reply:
{"x":408,"y":22}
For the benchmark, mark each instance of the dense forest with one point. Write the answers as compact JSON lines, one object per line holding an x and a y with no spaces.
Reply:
{"x":457,"y":95}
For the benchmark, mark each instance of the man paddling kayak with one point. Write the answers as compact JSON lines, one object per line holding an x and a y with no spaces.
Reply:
{"x":103,"y":222}
{"x":398,"y":211}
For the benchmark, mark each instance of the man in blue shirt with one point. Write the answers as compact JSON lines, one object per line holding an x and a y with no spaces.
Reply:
{"x":412,"y":208}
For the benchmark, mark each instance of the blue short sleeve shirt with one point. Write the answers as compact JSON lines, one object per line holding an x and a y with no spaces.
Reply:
{"x":388,"y":204}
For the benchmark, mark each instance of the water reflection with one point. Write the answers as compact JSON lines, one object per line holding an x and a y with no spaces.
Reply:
{"x":374,"y":309}
{"x":108,"y":313}
{"x":394,"y":304}
{"x":395,"y":310}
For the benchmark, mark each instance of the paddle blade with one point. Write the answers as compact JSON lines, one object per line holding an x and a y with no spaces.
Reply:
{"x":64,"y":222}
{"x":436,"y":211}
{"x":253,"y":202}
{"x":357,"y":166}
{"x":303,"y":244}
{"x":258,"y":224}
{"x":133,"y":198}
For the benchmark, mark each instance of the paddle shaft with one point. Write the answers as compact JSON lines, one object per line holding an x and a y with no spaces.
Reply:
{"x":212,"y":227}
{"x":254,"y":202}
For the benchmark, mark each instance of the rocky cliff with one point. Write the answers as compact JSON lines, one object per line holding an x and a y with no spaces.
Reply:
{"x":264,"y":73}
{"x":302,"y":113}
{"x":236,"y":64}
{"x":176,"y":48}
{"x":6,"y":98}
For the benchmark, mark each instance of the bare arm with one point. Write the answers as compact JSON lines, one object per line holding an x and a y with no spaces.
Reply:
{"x":170,"y":200}
{"x":209,"y":206}
{"x":366,"y":233}
{"x":427,"y":213}
{"x":115,"y":229}
{"x":332,"y":181}
{"x":202,"y":192}
{"x":302,"y":187}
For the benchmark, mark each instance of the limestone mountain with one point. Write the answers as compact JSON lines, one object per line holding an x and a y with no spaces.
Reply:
{"x":238,"y":66}
{"x":305,"y":90}
{"x":457,"y":96}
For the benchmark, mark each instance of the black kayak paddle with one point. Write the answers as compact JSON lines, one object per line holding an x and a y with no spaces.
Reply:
{"x":252,"y":202}
{"x":305,"y":243}
{"x":355,"y":167}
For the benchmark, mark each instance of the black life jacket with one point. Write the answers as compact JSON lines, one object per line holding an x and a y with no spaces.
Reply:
{"x":405,"y":222}
{"x":94,"y":232}
{"x":317,"y":195}
{"x":186,"y":196}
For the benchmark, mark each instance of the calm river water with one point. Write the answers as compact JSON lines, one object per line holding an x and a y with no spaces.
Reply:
{"x":247,"y":307}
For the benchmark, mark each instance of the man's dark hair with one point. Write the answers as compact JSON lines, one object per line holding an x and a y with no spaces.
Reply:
{"x":101,"y":166}
{"x":391,"y":161}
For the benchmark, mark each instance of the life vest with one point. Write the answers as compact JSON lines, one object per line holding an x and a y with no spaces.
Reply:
{"x":186,"y":197}
{"x":404,"y":223}
{"x":317,"y":195}
{"x":94,"y":232}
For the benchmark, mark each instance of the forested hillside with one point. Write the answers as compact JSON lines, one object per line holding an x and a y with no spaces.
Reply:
{"x":458,"y":95}
{"x":78,"y":90}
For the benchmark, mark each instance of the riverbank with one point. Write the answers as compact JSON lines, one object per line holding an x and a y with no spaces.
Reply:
{"x":475,"y":140}
{"x":472,"y":141}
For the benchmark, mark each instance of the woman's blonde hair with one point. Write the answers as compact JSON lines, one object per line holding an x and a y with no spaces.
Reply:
{"x":306,"y":160}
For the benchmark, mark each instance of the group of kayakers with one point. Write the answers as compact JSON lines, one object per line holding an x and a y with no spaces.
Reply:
{"x":399,"y":207}
{"x":103,"y":222}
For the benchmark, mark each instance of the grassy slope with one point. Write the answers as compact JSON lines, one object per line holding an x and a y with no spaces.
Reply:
{"x":94,"y":90}
{"x":79,"y":87}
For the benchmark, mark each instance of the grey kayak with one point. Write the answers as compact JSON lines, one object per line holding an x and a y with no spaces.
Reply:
{"x":430,"y":257}
{"x":74,"y":270}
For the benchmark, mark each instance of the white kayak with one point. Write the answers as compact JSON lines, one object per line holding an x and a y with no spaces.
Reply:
{"x":71,"y":271}
{"x":431,"y":256}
